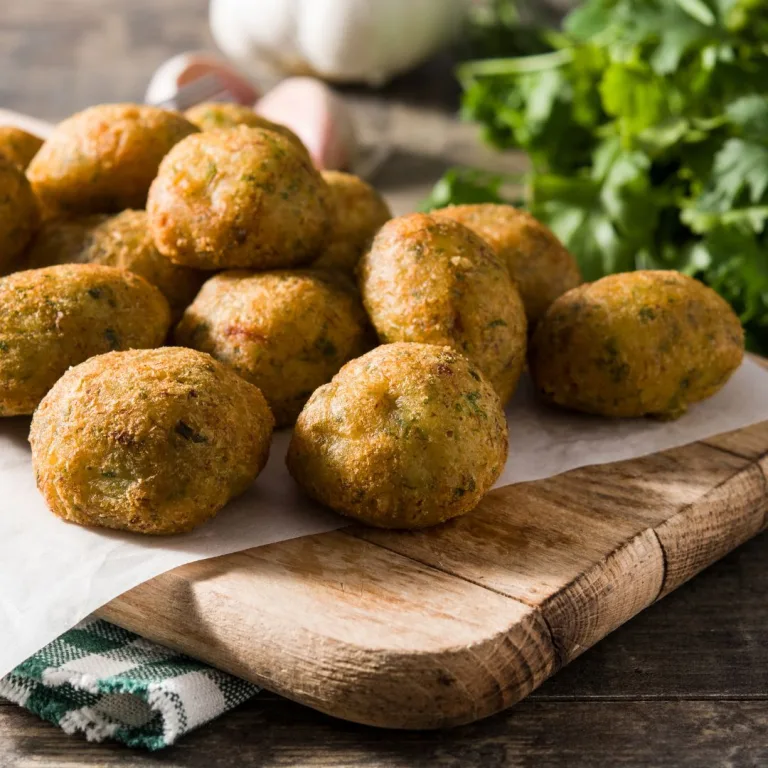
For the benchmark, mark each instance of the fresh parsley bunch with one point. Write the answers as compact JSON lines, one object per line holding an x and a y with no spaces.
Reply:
{"x":647,"y":128}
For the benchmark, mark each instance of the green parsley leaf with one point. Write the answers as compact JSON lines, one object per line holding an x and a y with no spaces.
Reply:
{"x":750,"y":115}
{"x":646,"y":125}
{"x":740,"y":171}
{"x":632,"y":93}
{"x":461,"y":186}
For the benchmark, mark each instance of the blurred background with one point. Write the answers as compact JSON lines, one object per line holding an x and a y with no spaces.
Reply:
{"x":60,"y":56}
{"x":636,"y":129}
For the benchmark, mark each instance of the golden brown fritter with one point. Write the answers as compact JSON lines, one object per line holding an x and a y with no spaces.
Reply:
{"x":215,"y":116}
{"x":152,"y":441}
{"x":406,"y":436}
{"x":56,"y":317}
{"x":538,"y":262}
{"x":358,"y":212}
{"x":435,"y":281}
{"x":636,"y":344}
{"x":103,"y":159}
{"x":120,"y":241}
{"x":242,"y":197}
{"x":18,"y":146}
{"x":285,"y":332}
{"x":19,"y":215}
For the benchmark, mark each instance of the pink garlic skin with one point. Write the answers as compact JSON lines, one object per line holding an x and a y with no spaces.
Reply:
{"x":318,"y":116}
{"x":185,"y":68}
{"x":310,"y":108}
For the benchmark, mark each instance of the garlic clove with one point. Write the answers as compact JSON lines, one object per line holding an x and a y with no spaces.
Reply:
{"x":318,"y":116}
{"x":186,"y":67}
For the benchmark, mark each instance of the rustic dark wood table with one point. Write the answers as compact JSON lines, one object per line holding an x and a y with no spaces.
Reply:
{"x":684,"y":684}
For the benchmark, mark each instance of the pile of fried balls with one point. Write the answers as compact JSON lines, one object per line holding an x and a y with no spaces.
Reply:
{"x":177,"y":286}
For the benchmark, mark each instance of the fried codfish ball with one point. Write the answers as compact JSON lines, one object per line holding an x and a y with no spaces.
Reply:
{"x":152,"y":441}
{"x":56,"y":317}
{"x":19,"y":215}
{"x":406,"y":436}
{"x":538,"y":262}
{"x":103,"y":159}
{"x":358,"y":212}
{"x":435,"y":281}
{"x":636,"y":344}
{"x":215,"y":116}
{"x":18,"y":146}
{"x":242,"y":197}
{"x":120,"y":241}
{"x":285,"y":332}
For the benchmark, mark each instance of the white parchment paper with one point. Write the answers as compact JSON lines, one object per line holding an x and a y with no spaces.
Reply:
{"x":53,"y":574}
{"x":545,"y":441}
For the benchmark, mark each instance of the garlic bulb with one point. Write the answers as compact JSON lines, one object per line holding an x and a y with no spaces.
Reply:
{"x":337,"y":40}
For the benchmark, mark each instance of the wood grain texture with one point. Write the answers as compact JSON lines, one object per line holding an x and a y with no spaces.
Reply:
{"x":684,"y":683}
{"x":274,"y":733}
{"x":700,"y":534}
{"x":331,"y":621}
{"x":751,"y":443}
{"x":452,"y":624}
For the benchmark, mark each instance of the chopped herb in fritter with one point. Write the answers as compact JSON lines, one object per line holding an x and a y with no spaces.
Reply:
{"x":111,"y":336}
{"x":183,"y":429}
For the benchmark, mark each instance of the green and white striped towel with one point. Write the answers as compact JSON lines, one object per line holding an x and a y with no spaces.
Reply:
{"x":107,"y":682}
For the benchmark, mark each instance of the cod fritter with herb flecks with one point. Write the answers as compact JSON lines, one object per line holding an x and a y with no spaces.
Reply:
{"x":286,"y":332}
{"x":18,"y":146}
{"x":221,"y":115}
{"x":242,"y":197}
{"x":358,"y":212}
{"x":436,"y":282}
{"x":53,"y":318}
{"x":120,"y":241}
{"x":152,"y":441}
{"x":538,"y":262}
{"x":636,"y":344}
{"x":19,"y":215}
{"x":406,"y":436}
{"x":102,"y":160}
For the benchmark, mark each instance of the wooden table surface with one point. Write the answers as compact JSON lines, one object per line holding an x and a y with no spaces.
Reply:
{"x":684,"y":684}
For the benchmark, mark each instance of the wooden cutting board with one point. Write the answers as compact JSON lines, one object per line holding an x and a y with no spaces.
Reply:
{"x":452,"y":624}
{"x":449,"y":625}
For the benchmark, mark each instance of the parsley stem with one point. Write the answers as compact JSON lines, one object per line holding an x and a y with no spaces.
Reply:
{"x":511,"y":66}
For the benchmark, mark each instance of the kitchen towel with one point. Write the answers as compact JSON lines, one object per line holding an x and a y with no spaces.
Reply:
{"x":106,"y":682}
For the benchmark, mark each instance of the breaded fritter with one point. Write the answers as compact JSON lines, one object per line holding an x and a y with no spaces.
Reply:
{"x":53,"y":318}
{"x":18,"y":146}
{"x":152,"y":441}
{"x":120,"y":241}
{"x":407,"y":436}
{"x":435,"y":281}
{"x":221,"y":115}
{"x":358,"y":212}
{"x":287,"y":332}
{"x":19,"y":214}
{"x":538,"y":262}
{"x":103,"y":159}
{"x":636,"y":344}
{"x":242,"y":197}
